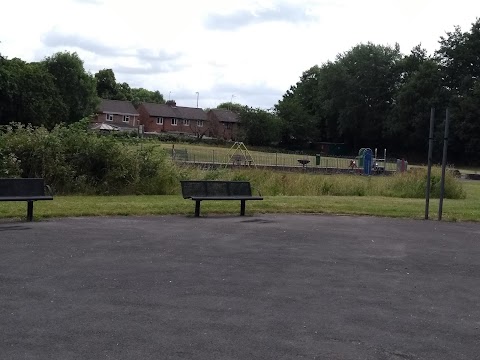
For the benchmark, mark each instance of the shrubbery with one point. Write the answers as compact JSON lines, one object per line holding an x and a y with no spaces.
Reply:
{"x":75,"y":160}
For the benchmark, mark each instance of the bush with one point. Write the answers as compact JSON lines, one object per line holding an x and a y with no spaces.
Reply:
{"x":75,"y":160}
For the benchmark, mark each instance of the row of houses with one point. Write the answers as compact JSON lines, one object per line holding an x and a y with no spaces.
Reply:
{"x":169,"y":118}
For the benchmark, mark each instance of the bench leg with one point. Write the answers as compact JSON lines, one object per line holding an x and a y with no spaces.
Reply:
{"x":242,"y":207}
{"x":29,"y":210}
{"x":197,"y":208}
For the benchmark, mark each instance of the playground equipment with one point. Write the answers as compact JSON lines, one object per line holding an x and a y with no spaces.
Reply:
{"x":239,"y":154}
{"x":369,"y":162}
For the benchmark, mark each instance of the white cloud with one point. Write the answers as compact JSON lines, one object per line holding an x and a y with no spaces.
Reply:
{"x":252,"y":49}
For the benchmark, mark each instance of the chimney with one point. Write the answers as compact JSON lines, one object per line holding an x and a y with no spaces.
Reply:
{"x":171,"y":103}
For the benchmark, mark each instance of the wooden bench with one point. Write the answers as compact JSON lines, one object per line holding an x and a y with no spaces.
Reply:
{"x":28,"y":190}
{"x":200,"y":190}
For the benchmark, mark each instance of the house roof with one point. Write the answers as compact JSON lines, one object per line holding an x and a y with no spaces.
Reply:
{"x":163,"y":110}
{"x":117,"y":107}
{"x":224,"y":115}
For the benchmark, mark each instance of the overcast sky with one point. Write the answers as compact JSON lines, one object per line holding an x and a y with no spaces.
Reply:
{"x":250,"y":51}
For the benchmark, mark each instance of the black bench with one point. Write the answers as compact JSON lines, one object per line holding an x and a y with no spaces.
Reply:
{"x":199,"y":190}
{"x":28,"y":190}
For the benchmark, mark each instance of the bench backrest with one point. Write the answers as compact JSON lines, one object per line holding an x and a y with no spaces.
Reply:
{"x":22,"y":187}
{"x":192,"y":188}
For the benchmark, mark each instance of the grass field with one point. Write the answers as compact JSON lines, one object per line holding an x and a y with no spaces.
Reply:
{"x":216,"y":154}
{"x":66,"y":206}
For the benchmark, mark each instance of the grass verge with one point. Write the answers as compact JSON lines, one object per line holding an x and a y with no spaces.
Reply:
{"x":71,"y":206}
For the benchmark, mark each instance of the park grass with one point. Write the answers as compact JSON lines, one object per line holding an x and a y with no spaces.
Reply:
{"x":220,"y":154}
{"x":467,"y":209}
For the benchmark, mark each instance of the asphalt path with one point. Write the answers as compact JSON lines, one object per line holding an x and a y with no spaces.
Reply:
{"x":231,"y":287}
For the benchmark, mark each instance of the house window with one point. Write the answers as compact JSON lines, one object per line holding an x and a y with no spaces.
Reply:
{"x":174,"y":122}
{"x":109,"y":117}
{"x":159,"y":121}
{"x":126,"y":118}
{"x":186,"y":122}
{"x":200,"y":123}
{"x":227,"y":125}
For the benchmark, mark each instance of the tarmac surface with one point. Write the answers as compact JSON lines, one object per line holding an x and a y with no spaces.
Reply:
{"x":231,"y":287}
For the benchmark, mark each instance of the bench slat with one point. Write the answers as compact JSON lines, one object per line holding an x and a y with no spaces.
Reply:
{"x":25,"y":198}
{"x":226,"y":198}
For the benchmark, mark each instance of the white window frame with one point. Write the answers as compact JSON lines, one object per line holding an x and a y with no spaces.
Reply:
{"x":126,"y":118}
{"x":186,"y":122}
{"x":159,"y":120}
{"x":174,"y":122}
{"x":199,"y":123}
{"x":109,"y":117}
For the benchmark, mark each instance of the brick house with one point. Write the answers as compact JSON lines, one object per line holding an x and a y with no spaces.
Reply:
{"x":121,"y":114}
{"x":172,"y":118}
{"x":223,"y":123}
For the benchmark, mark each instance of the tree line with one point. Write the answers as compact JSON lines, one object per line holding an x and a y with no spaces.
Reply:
{"x":375,"y":96}
{"x":369,"y":96}
{"x":58,"y":89}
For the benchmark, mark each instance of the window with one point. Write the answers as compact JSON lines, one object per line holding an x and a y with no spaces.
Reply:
{"x":227,"y":125}
{"x":126,"y":118}
{"x":174,"y":122}
{"x":109,"y":117}
{"x":186,"y":122}
{"x":200,"y":123}
{"x":159,"y":121}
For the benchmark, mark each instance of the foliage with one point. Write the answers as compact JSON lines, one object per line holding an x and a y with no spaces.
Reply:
{"x":75,"y":160}
{"x":108,"y":88}
{"x":259,"y":127}
{"x":235,"y":107}
{"x":28,"y":94}
{"x":76,"y":87}
{"x":374,"y":96}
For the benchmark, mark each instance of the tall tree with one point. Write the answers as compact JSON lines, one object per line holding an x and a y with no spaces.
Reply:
{"x":76,"y":87}
{"x":299,"y":110}
{"x":28,"y":94}
{"x":106,"y":84}
{"x":459,"y":57}
{"x":259,"y":127}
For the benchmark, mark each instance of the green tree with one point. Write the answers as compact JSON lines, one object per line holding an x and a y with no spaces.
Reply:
{"x":76,"y":87}
{"x":106,"y":84}
{"x":28,"y":94}
{"x":458,"y":56}
{"x":299,"y":110}
{"x":123,"y":92}
{"x":259,"y":127}
{"x":235,"y":107}
{"x":420,"y":88}
{"x":143,"y":95}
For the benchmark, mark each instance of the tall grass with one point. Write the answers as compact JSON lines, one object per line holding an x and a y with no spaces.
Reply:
{"x":75,"y":161}
{"x":273,"y":183}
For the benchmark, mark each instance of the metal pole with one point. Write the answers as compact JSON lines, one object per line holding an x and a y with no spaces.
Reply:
{"x":197,"y":98}
{"x":385,"y":162}
{"x":444,"y":164}
{"x":429,"y":169}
